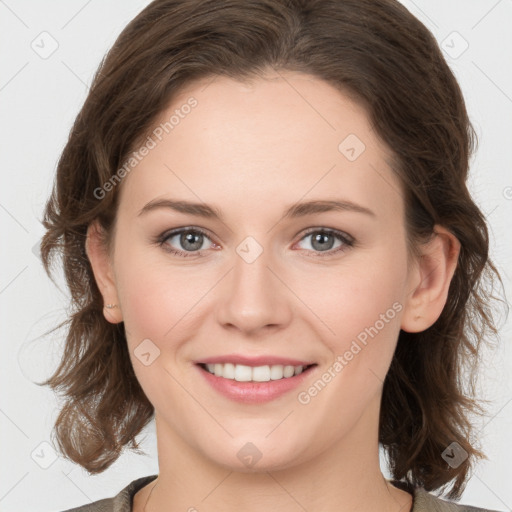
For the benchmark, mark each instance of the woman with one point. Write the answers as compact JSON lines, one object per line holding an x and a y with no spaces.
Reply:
{"x":265,"y":226}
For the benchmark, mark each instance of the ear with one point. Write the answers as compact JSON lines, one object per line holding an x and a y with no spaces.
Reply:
{"x":430,"y":281}
{"x":103,"y":271}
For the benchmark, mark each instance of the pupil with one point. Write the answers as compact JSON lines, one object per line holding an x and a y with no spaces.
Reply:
{"x":318,"y":238}
{"x":188,"y":238}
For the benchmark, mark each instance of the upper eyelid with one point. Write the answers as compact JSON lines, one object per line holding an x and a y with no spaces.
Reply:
{"x":173,"y":232}
{"x":335,"y":232}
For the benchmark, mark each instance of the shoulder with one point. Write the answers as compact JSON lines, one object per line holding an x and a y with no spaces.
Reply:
{"x":105,"y":505}
{"x":122,"y":502}
{"x":426,"y":502}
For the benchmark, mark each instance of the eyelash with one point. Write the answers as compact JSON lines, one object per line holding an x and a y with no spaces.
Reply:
{"x":347,"y":240}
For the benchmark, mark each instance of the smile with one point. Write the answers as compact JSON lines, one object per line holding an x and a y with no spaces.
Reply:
{"x":254,"y":384}
{"x":244,"y":373}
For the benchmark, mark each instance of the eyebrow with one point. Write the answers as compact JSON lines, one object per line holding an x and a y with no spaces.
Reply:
{"x":296,"y":210}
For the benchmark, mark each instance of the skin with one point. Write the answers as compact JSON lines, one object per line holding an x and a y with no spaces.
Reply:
{"x":251,"y":150}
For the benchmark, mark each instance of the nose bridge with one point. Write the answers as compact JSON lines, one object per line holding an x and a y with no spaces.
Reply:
{"x":254,"y":296}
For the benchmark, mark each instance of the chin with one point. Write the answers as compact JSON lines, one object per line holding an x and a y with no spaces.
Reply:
{"x":256,"y":456}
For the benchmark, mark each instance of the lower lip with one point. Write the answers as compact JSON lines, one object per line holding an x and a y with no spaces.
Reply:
{"x":254,"y":392}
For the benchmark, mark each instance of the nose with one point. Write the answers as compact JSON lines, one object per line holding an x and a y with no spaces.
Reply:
{"x":253,"y":296}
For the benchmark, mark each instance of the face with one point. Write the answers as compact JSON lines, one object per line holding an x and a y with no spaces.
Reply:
{"x":319,"y":286}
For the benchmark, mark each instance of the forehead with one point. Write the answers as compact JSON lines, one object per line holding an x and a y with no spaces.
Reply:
{"x":283,"y":137}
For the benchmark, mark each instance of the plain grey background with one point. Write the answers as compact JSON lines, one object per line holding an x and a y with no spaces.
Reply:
{"x":49,"y":52}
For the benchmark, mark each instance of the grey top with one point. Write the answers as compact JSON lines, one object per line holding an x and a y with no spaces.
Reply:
{"x":423,"y":501}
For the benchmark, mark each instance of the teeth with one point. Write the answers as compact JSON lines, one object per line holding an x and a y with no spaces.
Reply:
{"x":243,"y":373}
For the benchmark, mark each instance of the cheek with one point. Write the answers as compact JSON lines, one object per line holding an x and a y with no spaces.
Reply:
{"x":150,"y":296}
{"x":160,"y":300}
{"x":364,"y":311}
{"x":360,"y":304}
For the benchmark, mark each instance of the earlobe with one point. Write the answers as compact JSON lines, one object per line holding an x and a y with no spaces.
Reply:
{"x":103,"y":273}
{"x":430,"y":280}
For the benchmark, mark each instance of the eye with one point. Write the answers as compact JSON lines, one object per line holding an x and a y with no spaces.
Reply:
{"x":191,"y":239}
{"x":323,"y":240}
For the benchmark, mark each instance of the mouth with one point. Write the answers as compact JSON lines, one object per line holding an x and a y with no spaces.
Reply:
{"x":246,"y":373}
{"x":254,"y":384}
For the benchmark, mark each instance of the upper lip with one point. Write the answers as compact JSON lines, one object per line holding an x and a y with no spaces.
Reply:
{"x":254,"y":361}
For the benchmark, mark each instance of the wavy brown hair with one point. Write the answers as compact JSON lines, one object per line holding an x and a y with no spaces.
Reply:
{"x":384,"y":58}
